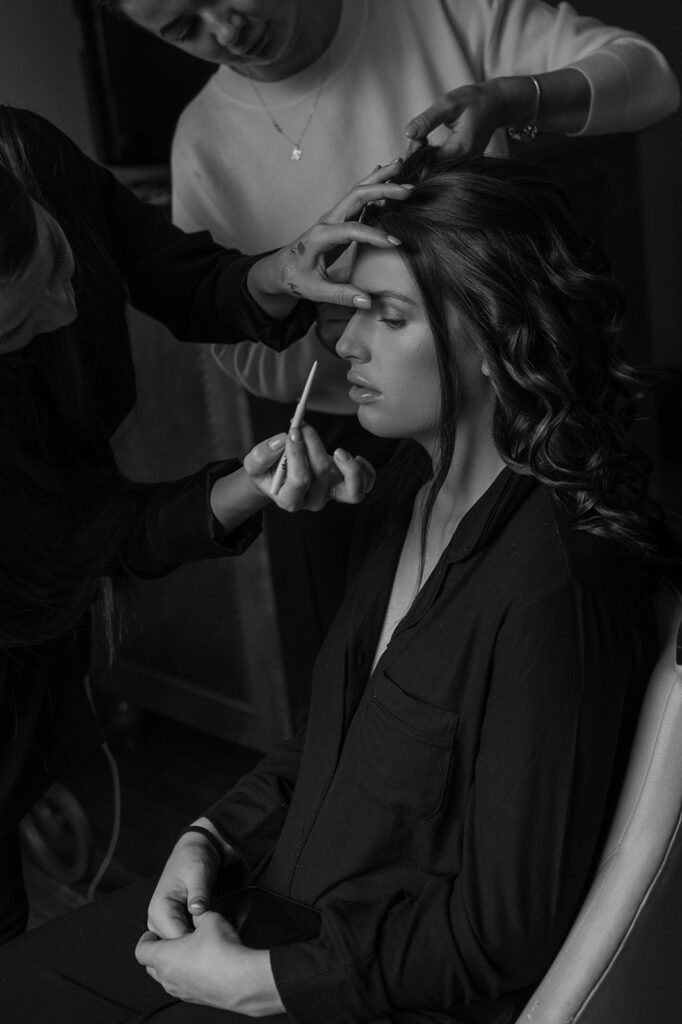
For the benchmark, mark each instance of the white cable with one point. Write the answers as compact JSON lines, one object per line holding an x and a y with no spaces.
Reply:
{"x":116,"y":827}
{"x":116,"y":788}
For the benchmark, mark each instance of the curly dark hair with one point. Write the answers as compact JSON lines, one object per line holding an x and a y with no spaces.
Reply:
{"x":493,"y":238}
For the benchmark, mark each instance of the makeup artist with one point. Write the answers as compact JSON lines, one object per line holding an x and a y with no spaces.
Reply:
{"x":75,"y":246}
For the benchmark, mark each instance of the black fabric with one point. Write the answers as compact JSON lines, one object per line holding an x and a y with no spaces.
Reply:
{"x":13,"y":898}
{"x":81,"y":969}
{"x":198,"y":290}
{"x":444,"y":812}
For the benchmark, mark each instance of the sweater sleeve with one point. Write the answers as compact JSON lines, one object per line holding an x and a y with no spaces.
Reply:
{"x":282,"y":376}
{"x":561,"y":674}
{"x":172,"y":523}
{"x":251,"y":815}
{"x":631,"y":83}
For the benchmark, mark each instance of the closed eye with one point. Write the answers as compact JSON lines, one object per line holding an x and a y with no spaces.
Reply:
{"x":183,"y":30}
{"x":395,"y":323}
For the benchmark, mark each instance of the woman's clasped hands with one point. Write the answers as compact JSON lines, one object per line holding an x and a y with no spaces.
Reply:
{"x":194,"y":953}
{"x":209,"y":966}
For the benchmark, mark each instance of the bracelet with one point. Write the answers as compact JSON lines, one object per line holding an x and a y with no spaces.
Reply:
{"x":213,"y":840}
{"x":527,"y":132}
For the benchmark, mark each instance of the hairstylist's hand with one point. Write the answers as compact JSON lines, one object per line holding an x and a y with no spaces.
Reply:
{"x":185,"y":885}
{"x":472,"y":113}
{"x":299,"y":270}
{"x":312,"y":477}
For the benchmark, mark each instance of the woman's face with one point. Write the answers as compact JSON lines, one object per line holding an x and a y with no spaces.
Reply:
{"x":394,"y":367}
{"x":40,"y":299}
{"x":391,"y":349}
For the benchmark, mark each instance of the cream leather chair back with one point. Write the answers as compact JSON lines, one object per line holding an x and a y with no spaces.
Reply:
{"x":621,"y":963}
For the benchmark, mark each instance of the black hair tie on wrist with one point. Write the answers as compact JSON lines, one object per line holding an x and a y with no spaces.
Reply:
{"x":215,"y":842}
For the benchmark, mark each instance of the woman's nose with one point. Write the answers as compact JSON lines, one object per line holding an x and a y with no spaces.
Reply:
{"x":223,"y":25}
{"x":348,"y":346}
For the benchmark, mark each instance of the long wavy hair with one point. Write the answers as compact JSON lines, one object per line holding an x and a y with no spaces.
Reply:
{"x":64,"y":510}
{"x":494,"y":239}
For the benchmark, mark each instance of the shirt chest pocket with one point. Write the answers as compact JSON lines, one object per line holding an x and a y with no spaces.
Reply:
{"x":405,"y":753}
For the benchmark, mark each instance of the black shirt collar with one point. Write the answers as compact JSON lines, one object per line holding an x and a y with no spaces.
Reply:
{"x":489,"y":514}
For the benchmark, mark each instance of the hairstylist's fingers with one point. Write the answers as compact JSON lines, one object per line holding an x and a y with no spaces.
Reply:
{"x":357,"y":478}
{"x":440,"y":112}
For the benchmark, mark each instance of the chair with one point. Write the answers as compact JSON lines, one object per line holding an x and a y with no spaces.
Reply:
{"x":621,"y":963}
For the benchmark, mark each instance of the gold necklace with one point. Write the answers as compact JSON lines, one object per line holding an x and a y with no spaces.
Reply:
{"x":297,"y":150}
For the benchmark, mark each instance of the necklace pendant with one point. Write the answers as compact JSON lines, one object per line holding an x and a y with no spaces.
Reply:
{"x":296,"y":153}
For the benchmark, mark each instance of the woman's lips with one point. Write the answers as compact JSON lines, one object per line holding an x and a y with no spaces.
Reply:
{"x":361,"y":391}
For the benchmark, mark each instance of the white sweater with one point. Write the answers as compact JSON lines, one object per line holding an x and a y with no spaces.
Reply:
{"x":390,"y":59}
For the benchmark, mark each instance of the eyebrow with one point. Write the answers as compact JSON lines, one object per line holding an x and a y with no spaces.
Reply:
{"x":388,"y":293}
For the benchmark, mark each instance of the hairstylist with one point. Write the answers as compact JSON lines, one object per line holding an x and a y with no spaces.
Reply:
{"x":74,"y":246}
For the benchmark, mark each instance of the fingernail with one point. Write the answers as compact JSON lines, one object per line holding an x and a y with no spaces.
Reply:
{"x":276,"y":444}
{"x":361,"y":301}
{"x":198,"y":905}
{"x":411,"y":132}
{"x":408,"y":186}
{"x":342,"y":455}
{"x":295,"y":435}
{"x":393,"y":240}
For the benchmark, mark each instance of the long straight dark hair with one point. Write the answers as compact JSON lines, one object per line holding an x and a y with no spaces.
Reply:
{"x":494,"y":239}
{"x":64,"y":510}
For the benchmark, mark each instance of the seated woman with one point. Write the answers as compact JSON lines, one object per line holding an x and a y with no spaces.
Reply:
{"x":474,"y":702}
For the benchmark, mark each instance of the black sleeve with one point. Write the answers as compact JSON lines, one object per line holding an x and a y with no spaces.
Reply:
{"x":186,"y":281}
{"x":562,"y":669}
{"x":251,"y":815}
{"x":172,"y":523}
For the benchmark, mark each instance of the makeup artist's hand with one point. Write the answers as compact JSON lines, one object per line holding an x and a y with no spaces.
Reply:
{"x":299,"y":270}
{"x":211,"y":967}
{"x":313,"y":476}
{"x":185,"y":885}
